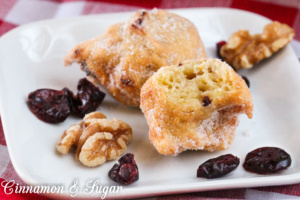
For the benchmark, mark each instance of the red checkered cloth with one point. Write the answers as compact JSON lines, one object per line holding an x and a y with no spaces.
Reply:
{"x":18,"y":12}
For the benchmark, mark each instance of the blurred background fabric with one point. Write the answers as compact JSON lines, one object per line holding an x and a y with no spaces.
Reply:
{"x":14,"y":13}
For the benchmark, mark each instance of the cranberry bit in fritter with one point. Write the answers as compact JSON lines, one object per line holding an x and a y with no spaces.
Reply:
{"x":267,"y":160}
{"x":217,"y":167}
{"x":246,"y":80}
{"x":126,"y":171}
{"x":219,"y":45}
{"x":54,"y":106}
{"x":206,"y":101}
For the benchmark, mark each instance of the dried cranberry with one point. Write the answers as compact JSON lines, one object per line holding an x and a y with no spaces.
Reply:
{"x":267,"y":160}
{"x":88,"y":98}
{"x":55,"y":106}
{"x":219,"y":45}
{"x":126,"y":171}
{"x":206,"y":101}
{"x":217,"y":167}
{"x":49,"y":105}
{"x":70,"y":97}
{"x":246,"y":80}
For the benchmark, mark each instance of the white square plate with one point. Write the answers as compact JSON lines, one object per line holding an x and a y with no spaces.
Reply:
{"x":31,"y":57}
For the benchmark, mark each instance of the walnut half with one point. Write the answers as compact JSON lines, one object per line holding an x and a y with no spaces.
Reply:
{"x":244,"y":50}
{"x":97,"y":139}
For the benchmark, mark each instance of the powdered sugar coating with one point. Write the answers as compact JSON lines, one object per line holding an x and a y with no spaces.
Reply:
{"x":128,"y":53}
{"x":172,"y":101}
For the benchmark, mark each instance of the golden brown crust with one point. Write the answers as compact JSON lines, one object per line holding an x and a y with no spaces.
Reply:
{"x":194,"y":106}
{"x":127,"y":54}
{"x":244,"y":50}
